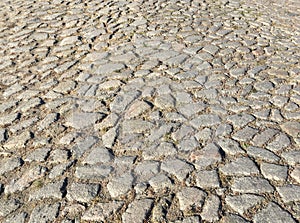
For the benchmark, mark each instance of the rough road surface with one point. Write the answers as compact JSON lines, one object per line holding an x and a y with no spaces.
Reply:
{"x":149,"y":111}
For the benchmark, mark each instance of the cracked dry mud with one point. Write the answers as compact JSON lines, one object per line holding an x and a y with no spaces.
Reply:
{"x":149,"y":111}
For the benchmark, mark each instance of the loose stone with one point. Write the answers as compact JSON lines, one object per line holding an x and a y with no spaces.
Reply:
{"x":233,"y":218}
{"x":242,"y":203}
{"x":3,"y":135}
{"x":17,"y":218}
{"x":274,"y":172}
{"x":292,"y":157}
{"x":205,"y":121}
{"x":38,"y":155}
{"x":273,"y":213}
{"x":161,"y":151}
{"x":80,"y":148}
{"x":82,"y":192}
{"x":207,"y":156}
{"x":64,"y":87}
{"x":296,"y":173}
{"x":280,"y":142}
{"x":262,"y":154}
{"x":230,"y":146}
{"x":240,"y":120}
{"x":18,"y":141}
{"x":291,"y":128}
{"x":245,"y":134}
{"x":122,"y":100}
{"x":211,"y":208}
{"x":109,"y":137}
{"x":59,"y":169}
{"x":251,"y":185}
{"x":137,"y":211}
{"x":7,"y":165}
{"x":109,"y":68}
{"x":137,"y":109}
{"x":120,"y":185}
{"x":223,"y":130}
{"x":8,"y":206}
{"x":44,"y":213}
{"x":59,"y":155}
{"x":93,"y":172}
{"x":136,"y":126}
{"x":263,"y":137}
{"x":101,"y":211}
{"x":289,"y":193}
{"x":8,"y":119}
{"x":190,"y":197}
{"x":146,"y":170}
{"x":160,"y":182}
{"x":52,"y":190}
{"x":177,"y":167}
{"x":81,"y":120}
{"x":98,"y":155}
{"x":241,"y":166}
{"x":25,"y":180}
{"x":207,"y":179}
{"x":166,"y":101}
{"x":188,"y":110}
{"x":12,"y":90}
